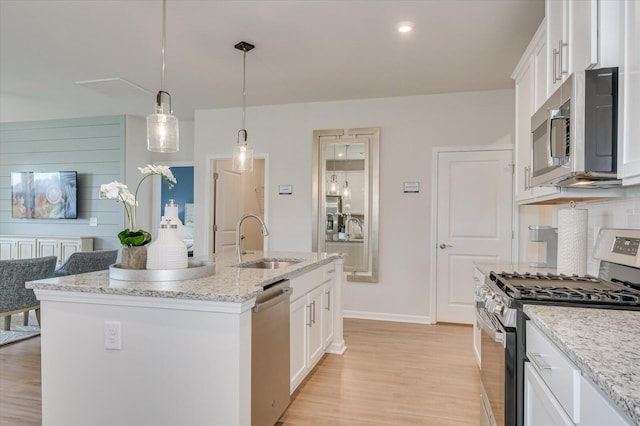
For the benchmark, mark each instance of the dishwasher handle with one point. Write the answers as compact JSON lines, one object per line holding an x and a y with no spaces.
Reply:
{"x":273,"y":301}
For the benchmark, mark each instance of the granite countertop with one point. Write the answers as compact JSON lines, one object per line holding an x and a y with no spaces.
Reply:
{"x":603,"y":343}
{"x":228,"y":284}
{"x":486,"y":267}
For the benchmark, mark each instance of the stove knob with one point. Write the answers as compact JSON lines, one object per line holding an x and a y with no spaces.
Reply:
{"x":498,"y":307}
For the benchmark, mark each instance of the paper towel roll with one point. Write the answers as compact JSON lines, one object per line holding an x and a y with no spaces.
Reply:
{"x":572,"y":241}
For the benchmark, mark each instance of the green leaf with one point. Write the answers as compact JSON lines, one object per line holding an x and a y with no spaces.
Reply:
{"x":134,"y":238}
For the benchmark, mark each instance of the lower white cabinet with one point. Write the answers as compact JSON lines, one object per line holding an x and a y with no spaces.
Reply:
{"x":541,"y":406}
{"x":23,"y":247}
{"x":328,"y":309}
{"x":595,"y":409}
{"x":556,"y":392}
{"x":312,"y":320}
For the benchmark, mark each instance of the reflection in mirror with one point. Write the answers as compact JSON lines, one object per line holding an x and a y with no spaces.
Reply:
{"x":346,"y":198}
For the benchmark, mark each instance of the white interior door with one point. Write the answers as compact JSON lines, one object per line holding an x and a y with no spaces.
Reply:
{"x":228,"y":206}
{"x":474,"y":222}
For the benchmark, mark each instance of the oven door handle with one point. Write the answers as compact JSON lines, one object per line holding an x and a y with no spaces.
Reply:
{"x":486,"y":325}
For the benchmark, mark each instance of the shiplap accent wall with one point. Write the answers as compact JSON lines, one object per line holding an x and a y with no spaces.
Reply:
{"x":94,"y":147}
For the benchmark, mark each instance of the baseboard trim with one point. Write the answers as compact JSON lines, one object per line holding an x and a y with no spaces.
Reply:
{"x":379,"y":316}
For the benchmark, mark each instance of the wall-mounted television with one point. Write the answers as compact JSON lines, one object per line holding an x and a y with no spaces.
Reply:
{"x":37,"y":195}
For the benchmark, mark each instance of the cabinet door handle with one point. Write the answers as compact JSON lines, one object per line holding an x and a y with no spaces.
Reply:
{"x":313,"y":321}
{"x":539,"y":363}
{"x":561,"y":45}
{"x":328,"y":300}
{"x":309,"y":315}
{"x":555,"y":65}
{"x":527,"y":185}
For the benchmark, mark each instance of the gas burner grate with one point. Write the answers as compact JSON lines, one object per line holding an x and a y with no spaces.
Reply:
{"x":548,"y":277}
{"x":617,"y":296}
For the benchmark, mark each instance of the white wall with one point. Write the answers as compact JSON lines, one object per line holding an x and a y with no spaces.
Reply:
{"x":410,"y":128}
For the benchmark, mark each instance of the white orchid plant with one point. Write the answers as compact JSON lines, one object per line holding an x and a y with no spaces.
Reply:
{"x":120,"y":192}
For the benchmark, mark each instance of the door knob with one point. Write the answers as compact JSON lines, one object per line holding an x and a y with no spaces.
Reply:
{"x":444,"y":246}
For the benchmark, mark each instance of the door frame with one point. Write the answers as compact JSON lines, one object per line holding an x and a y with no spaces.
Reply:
{"x":433,"y":246}
{"x":157,"y":191}
{"x":208,"y":201}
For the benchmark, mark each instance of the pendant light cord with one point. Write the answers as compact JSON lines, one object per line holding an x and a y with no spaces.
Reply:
{"x":164,"y":37}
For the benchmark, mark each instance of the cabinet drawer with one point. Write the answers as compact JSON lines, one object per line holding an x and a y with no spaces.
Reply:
{"x":329,"y":271}
{"x":303,"y":284}
{"x":558,"y":372}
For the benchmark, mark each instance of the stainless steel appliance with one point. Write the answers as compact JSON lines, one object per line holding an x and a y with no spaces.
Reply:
{"x":549,"y":236}
{"x":574,"y":134}
{"x":270,"y":395}
{"x":499,"y":302}
{"x":334,"y":218}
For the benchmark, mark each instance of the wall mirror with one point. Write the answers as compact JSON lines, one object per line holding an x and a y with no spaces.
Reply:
{"x":345,"y":198}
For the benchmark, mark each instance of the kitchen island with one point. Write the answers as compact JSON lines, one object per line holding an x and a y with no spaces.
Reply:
{"x":159,"y":353}
{"x":603,"y":344}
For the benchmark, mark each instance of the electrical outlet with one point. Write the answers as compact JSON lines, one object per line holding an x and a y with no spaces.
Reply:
{"x":112,"y":335}
{"x":93,"y":221}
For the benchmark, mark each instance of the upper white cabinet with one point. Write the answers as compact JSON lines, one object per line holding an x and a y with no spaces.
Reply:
{"x":630,"y":172}
{"x":572,"y":38}
{"x":531,"y":81}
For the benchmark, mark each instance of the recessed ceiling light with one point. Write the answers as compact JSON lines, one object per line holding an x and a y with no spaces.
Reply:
{"x":404,"y":27}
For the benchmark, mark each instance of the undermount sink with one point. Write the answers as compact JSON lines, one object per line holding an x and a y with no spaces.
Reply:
{"x":269,"y":263}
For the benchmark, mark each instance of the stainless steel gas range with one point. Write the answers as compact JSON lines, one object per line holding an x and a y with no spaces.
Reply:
{"x":499,"y":303}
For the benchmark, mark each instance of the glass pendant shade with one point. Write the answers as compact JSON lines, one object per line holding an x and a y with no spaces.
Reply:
{"x":162,"y":130}
{"x":346,"y":193}
{"x":334,"y":186}
{"x":242,"y":158}
{"x":162,"y":127}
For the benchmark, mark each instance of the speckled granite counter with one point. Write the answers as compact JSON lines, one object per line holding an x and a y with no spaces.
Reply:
{"x":228,"y":284}
{"x":603,"y":343}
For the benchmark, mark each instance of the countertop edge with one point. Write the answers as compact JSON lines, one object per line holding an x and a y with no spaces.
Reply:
{"x":204,"y":289}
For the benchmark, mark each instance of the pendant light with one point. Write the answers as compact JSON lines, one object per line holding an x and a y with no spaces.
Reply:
{"x":334,"y":186}
{"x":346,"y":192}
{"x":243,"y":153}
{"x":162,"y":127}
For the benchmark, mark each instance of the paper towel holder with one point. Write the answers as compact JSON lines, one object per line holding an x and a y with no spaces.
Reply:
{"x":549,"y":236}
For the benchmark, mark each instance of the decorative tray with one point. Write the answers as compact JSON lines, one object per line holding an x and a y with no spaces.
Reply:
{"x":196,"y":269}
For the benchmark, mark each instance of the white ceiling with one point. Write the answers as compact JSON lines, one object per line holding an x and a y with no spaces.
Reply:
{"x":305,"y":51}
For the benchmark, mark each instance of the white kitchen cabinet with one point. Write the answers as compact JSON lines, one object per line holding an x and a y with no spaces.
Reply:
{"x":572,"y":38}
{"x":328,"y":305}
{"x":479,"y":278}
{"x":12,"y":248}
{"x":596,"y":410}
{"x":530,"y":81}
{"x":23,"y":247}
{"x":298,"y":347}
{"x":541,"y":406}
{"x":315,"y":338}
{"x":314,"y":316}
{"x":630,"y":172}
{"x":47,"y":247}
{"x":556,"y":392}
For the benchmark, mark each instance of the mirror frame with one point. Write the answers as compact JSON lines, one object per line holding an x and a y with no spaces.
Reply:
{"x":372,"y":135}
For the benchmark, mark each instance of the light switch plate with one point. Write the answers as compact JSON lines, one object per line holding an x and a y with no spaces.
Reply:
{"x":112,"y":335}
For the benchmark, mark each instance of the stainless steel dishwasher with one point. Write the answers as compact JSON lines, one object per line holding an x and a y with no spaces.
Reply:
{"x":270,"y":395}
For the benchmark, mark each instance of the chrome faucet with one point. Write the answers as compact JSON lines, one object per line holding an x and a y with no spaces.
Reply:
{"x":348,"y":226}
{"x":265,"y":232}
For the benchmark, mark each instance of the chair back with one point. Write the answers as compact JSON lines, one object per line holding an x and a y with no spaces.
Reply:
{"x":14,"y":273}
{"x":82,"y":262}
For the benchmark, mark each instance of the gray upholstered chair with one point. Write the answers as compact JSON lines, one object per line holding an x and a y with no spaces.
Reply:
{"x":87,"y":261}
{"x":14,"y":297}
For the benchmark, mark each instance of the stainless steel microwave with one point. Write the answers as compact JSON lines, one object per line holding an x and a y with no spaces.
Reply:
{"x":574,"y":134}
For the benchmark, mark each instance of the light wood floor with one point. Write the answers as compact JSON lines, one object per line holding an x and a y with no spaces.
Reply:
{"x":391,"y":374}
